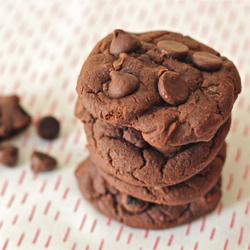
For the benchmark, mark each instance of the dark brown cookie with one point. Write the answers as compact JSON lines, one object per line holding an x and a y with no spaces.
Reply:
{"x":137,"y":213}
{"x":9,"y":156}
{"x":41,"y":162}
{"x":213,"y":85}
{"x":178,"y":194}
{"x":48,"y":127}
{"x":123,"y":153}
{"x":12,"y":117}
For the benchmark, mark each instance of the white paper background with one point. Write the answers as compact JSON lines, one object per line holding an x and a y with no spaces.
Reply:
{"x":43,"y":45}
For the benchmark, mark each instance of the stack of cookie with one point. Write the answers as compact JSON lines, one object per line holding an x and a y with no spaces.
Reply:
{"x":156,"y":108}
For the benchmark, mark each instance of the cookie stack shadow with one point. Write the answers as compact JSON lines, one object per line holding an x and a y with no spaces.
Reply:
{"x":155,"y":157}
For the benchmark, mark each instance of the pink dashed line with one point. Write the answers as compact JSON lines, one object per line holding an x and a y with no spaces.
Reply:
{"x":225,"y":245}
{"x":66,"y":193}
{"x":5,"y":185}
{"x":246,"y":172}
{"x":56,"y":216}
{"x":232,"y":220}
{"x":109,"y":221}
{"x":203,"y":223}
{"x":1,"y":224}
{"x":64,"y":141}
{"x":36,"y":236}
{"x":5,"y":244}
{"x":230,"y":183}
{"x":74,"y":246}
{"x":68,"y":157}
{"x":58,"y":182}
{"x":212,"y":234}
{"x":196,"y":245}
{"x":87,"y":247}
{"x":156,"y":243}
{"x":15,"y":219}
{"x":241,"y":235}
{"x":48,"y":241}
{"x":101,"y":244}
{"x":24,"y":198}
{"x":20,"y":239}
{"x":170,"y":240}
{"x":119,"y":233}
{"x":188,"y":228}
{"x":77,"y":205}
{"x":239,"y":194}
{"x":238,"y":155}
{"x":22,"y":177}
{"x":25,"y":139}
{"x":93,"y":226}
{"x":247,"y":208}
{"x":11,"y":201}
{"x":47,"y":208}
{"x":77,"y":137}
{"x":220,"y":208}
{"x":49,"y":148}
{"x":83,"y":221}
{"x":234,"y":125}
{"x":43,"y":186}
{"x":66,"y":234}
{"x":129,"y":238}
{"x":246,"y":130}
{"x":32,"y":213}
{"x":146,"y":233}
{"x":53,"y":107}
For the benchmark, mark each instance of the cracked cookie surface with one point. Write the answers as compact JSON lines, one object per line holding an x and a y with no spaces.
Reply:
{"x":137,"y":213}
{"x":123,"y":153}
{"x":213,"y":84}
{"x":178,"y":194}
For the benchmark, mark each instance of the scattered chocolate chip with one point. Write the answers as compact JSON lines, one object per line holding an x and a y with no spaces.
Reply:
{"x":9,"y":156}
{"x":12,"y":117}
{"x":173,"y":88}
{"x":132,"y":204}
{"x":206,"y":61}
{"x":48,"y":127}
{"x":42,"y":162}
{"x":174,"y":49}
{"x":122,"y":84}
{"x":123,"y":42}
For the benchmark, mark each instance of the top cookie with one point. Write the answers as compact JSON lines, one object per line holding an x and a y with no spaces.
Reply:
{"x":170,"y":87}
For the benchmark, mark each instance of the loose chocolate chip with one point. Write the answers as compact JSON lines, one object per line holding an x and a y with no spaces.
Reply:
{"x":175,"y":49}
{"x":123,"y":42}
{"x":42,"y":162}
{"x":48,"y":127}
{"x":9,"y":156}
{"x":132,"y":204}
{"x":206,"y":61}
{"x":173,"y":88}
{"x":122,"y":84}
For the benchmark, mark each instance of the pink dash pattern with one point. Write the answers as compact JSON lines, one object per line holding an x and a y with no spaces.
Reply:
{"x":32,"y":213}
{"x":247,"y":208}
{"x":74,"y":246}
{"x":15,"y":219}
{"x":203,"y":223}
{"x":196,"y":245}
{"x":212,"y":234}
{"x":146,"y":233}
{"x":129,"y":238}
{"x":220,"y":208}
{"x":232,"y":220}
{"x":225,"y":245}
{"x":188,"y":228}
{"x":246,"y":172}
{"x":239,"y":194}
{"x":22,"y":177}
{"x":5,"y":244}
{"x":36,"y":236}
{"x":101,"y":244}
{"x":47,"y":208}
{"x":12,"y":198}
{"x":230,"y":182}
{"x":48,"y":241}
{"x":170,"y":240}
{"x":58,"y":182}
{"x":109,"y":222}
{"x":66,"y":193}
{"x":119,"y":233}
{"x":5,"y":185}
{"x":241,"y":235}
{"x":83,"y":221}
{"x":238,"y":155}
{"x":93,"y":226}
{"x":43,"y":186}
{"x":24,"y":198}
{"x":56,"y":216}
{"x":77,"y":205}
{"x":20,"y":239}
{"x":66,"y":234}
{"x":156,"y":243}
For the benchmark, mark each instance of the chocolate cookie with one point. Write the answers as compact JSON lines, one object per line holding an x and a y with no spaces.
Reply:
{"x":123,"y":153}
{"x":171,"y":88}
{"x":138,"y":213}
{"x":12,"y":117}
{"x":178,"y":194}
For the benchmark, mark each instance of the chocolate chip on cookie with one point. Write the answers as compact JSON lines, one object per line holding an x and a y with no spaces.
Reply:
{"x":132,"y":204}
{"x":9,"y":156}
{"x":173,"y":88}
{"x":41,"y":162}
{"x":122,"y":84}
{"x":48,"y":127}
{"x":174,"y":49}
{"x":207,"y":61}
{"x":124,"y":42}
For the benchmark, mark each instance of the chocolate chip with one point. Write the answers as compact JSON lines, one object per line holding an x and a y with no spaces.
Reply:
{"x":173,"y":88}
{"x":174,"y":49}
{"x":48,"y":127}
{"x":42,"y":162}
{"x":122,"y":84}
{"x":123,"y":42}
{"x":132,"y":204}
{"x":206,"y":61}
{"x":9,"y":156}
